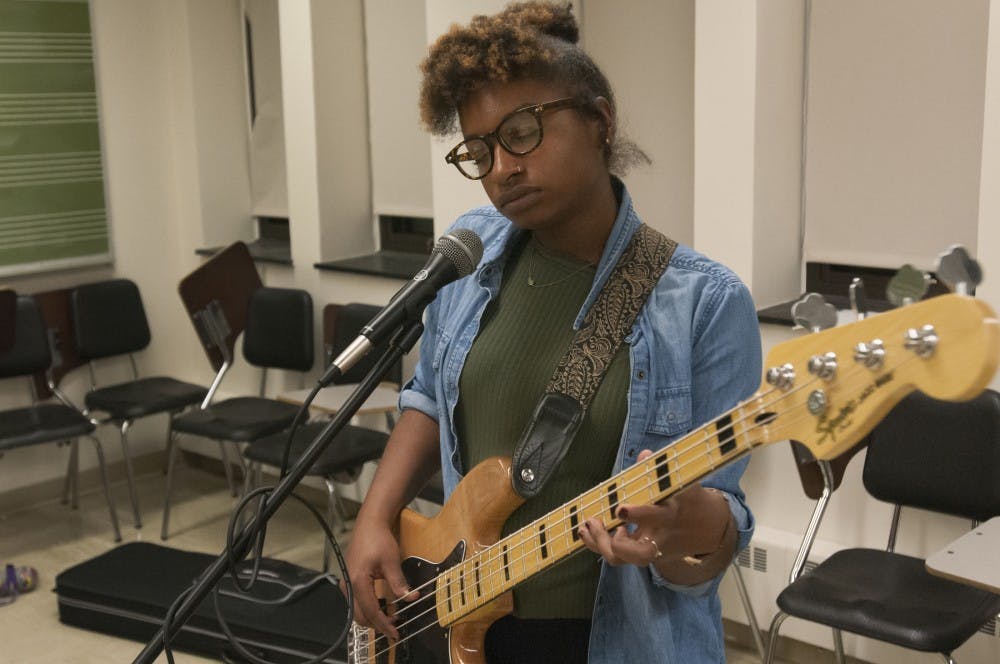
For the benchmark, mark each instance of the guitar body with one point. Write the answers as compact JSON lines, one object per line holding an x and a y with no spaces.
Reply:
{"x":469,"y":522}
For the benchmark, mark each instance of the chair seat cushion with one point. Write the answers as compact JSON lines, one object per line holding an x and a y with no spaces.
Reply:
{"x":351,"y":447}
{"x":145,"y":396}
{"x":240,"y":420}
{"x":891,"y":597}
{"x":44,"y":423}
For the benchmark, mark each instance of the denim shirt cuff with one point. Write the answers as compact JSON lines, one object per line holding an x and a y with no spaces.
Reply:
{"x":745,"y":529}
{"x":413,"y":399}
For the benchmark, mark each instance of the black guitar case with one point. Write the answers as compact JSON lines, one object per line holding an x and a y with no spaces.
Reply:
{"x":127,"y":591}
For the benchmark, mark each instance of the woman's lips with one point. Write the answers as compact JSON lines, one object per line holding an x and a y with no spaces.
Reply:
{"x":518,"y":198}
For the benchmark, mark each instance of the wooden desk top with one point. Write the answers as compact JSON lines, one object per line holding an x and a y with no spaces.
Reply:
{"x":972,"y":558}
{"x":330,"y":399}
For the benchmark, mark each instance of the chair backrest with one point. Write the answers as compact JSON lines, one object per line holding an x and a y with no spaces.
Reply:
{"x":939,"y":456}
{"x":109,"y":319}
{"x":29,"y":352}
{"x":342,"y":324}
{"x":279,"y":329}
{"x":8,"y":305}
{"x":810,"y":474}
{"x":221,"y":286}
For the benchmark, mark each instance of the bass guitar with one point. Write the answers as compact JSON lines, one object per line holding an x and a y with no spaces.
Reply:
{"x":826,"y":390}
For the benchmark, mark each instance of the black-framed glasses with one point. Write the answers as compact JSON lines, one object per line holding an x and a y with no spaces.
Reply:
{"x":518,"y":133}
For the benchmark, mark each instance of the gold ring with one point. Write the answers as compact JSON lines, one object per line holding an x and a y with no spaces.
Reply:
{"x":648,"y":540}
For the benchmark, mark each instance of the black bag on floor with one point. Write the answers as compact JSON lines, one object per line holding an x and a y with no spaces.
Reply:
{"x":127,"y":591}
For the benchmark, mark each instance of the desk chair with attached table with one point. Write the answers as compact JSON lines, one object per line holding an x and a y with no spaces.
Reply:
{"x":110,"y":322}
{"x":278,"y":335}
{"x":928,"y":454}
{"x":354,"y":445}
{"x":50,"y":422}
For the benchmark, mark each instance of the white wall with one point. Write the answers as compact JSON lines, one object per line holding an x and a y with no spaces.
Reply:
{"x":654,"y":86}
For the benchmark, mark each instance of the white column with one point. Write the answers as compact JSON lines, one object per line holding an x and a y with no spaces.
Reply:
{"x":989,"y":192}
{"x":453,"y":194}
{"x":747,"y":138}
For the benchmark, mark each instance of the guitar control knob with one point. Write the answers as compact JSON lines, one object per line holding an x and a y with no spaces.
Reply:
{"x":871,"y":354}
{"x":823,"y":366}
{"x":922,"y":341}
{"x":782,"y":377}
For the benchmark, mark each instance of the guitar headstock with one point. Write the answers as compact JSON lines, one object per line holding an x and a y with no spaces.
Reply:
{"x":828,"y":389}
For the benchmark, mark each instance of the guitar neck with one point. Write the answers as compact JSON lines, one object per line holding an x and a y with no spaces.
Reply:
{"x":548,"y":540}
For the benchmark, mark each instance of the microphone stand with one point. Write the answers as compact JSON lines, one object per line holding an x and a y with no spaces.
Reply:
{"x":400,"y":344}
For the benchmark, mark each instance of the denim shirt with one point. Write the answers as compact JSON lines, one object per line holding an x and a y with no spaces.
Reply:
{"x":694,"y":351}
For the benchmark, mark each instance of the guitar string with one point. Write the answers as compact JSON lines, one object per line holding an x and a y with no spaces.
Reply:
{"x":489,"y":558}
{"x":486,"y":553}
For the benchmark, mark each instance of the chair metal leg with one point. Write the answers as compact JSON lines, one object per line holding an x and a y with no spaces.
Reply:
{"x":171,"y":461}
{"x":948,"y":658}
{"x":838,"y":646}
{"x":748,"y":609}
{"x":226,"y":467}
{"x":129,"y":474}
{"x":170,"y":441}
{"x":70,"y":483}
{"x":107,"y":488}
{"x":772,"y":635}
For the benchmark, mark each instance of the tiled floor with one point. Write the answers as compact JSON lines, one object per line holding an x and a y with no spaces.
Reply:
{"x":51,"y":537}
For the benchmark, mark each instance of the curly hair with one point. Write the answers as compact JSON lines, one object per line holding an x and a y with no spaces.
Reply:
{"x":527,"y":40}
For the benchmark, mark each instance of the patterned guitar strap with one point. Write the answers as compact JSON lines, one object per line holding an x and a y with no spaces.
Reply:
{"x":560,"y":411}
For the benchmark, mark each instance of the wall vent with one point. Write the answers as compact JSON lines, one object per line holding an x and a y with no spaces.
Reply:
{"x":753,"y":557}
{"x":990,"y":627}
{"x":809,"y":566}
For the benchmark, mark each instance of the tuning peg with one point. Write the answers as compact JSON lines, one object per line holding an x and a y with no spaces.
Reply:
{"x":907,"y":286}
{"x":814,"y":313}
{"x":859,"y":301}
{"x":958,"y":270}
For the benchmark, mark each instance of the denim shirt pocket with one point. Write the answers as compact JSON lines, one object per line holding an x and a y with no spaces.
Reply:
{"x":671,"y":411}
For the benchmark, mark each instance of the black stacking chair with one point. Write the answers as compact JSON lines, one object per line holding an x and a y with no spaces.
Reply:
{"x":51,"y":422}
{"x":110,"y":322}
{"x":278,"y":335}
{"x":926,"y":454}
{"x":354,"y":445}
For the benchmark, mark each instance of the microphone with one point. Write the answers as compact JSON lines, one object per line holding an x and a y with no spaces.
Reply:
{"x":455,"y":255}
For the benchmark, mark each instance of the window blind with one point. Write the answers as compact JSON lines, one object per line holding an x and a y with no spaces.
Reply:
{"x":52,"y":205}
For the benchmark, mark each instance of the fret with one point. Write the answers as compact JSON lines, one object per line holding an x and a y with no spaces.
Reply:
{"x":663,"y":481}
{"x":461,"y":583}
{"x":612,"y":501}
{"x":479,"y":587}
{"x":724,"y":434}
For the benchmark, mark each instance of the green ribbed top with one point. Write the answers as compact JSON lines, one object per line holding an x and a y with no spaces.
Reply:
{"x":524,"y":333}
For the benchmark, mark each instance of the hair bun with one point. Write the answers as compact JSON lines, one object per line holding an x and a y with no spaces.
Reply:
{"x":553,"y":19}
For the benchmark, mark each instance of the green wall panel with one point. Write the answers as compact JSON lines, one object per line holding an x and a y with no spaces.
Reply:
{"x":52,"y":207}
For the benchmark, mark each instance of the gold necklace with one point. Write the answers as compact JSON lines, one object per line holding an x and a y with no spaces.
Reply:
{"x":534,"y":284}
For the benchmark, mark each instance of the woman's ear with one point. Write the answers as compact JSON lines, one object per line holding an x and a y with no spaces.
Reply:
{"x":607,"y":115}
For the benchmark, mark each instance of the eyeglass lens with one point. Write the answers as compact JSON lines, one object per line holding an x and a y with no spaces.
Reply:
{"x":519,"y":134}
